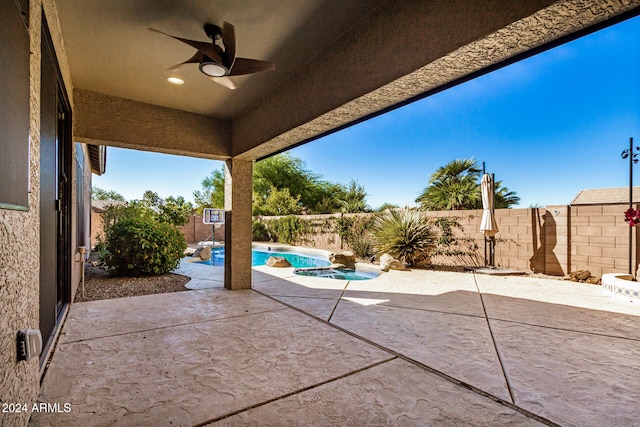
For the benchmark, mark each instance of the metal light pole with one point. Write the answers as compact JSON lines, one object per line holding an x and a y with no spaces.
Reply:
{"x":631,"y":159}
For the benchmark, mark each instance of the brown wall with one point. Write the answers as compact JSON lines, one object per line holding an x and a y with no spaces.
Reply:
{"x":196,"y":231}
{"x":552,"y":240}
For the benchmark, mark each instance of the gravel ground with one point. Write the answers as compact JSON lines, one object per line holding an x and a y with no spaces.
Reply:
{"x":99,"y":284}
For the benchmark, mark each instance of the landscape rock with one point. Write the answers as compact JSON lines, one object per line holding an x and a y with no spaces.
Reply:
{"x":387,"y":262}
{"x":593,"y":280}
{"x":189,"y":251}
{"x":582,"y":276}
{"x":347,"y":258}
{"x":278,"y":262}
{"x":205,"y":253}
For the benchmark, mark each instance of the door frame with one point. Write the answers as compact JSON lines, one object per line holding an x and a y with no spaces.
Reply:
{"x":64,"y":176}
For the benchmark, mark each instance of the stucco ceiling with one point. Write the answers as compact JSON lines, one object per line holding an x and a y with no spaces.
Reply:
{"x":337,"y":62}
{"x":111,"y":51}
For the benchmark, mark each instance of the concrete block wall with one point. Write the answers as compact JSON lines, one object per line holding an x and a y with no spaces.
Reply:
{"x":600,"y":240}
{"x":553,"y":240}
{"x":196,"y":231}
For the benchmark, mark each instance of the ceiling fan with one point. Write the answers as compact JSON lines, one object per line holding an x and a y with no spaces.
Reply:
{"x":216,"y":63}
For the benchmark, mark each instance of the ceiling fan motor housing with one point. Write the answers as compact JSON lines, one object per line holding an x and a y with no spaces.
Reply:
{"x":213,"y":31}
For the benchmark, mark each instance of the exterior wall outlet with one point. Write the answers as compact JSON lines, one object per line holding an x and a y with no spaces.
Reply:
{"x":29,"y":343}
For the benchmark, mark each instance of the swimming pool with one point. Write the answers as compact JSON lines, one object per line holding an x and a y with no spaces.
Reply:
{"x":260,"y":257}
{"x":338,"y":273}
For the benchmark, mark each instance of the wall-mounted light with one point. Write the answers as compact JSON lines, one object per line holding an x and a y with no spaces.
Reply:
{"x":175,"y":80}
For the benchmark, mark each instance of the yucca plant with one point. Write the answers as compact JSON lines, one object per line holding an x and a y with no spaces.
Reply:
{"x":404,"y":234}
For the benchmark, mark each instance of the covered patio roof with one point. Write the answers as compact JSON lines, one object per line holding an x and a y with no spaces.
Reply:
{"x":337,"y":63}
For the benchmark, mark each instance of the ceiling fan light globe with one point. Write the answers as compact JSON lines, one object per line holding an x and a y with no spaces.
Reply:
{"x":213,"y":69}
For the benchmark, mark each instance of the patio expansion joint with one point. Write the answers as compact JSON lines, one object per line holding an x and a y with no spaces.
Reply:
{"x":477,"y":316}
{"x":493,"y":339}
{"x":274,"y":278}
{"x":427,"y":368}
{"x":173,"y":326}
{"x":338,"y":301}
{"x":293,"y":393}
{"x":299,"y":296}
{"x":556,"y":328}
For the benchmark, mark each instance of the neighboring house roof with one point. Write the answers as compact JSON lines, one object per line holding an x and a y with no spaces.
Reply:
{"x":100,"y":205}
{"x":605,"y":196}
{"x":98,"y":157}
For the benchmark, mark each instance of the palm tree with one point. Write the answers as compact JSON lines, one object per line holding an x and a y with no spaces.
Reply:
{"x":452,"y":186}
{"x":456,"y":185}
{"x":504,"y":197}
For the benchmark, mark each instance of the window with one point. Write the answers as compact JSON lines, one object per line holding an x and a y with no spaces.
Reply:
{"x":14,"y":108}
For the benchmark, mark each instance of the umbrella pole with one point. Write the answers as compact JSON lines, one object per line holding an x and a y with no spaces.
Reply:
{"x":485,"y":237}
{"x":492,"y":244}
{"x":485,"y":251}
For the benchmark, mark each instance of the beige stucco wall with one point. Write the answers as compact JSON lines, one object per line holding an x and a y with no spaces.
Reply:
{"x":20,"y":242}
{"x":109,"y":120}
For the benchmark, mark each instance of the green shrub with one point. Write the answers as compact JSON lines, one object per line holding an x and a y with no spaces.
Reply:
{"x":289,"y":229}
{"x":259,"y":231}
{"x":404,"y":234}
{"x":354,"y":229}
{"x":138,"y":247}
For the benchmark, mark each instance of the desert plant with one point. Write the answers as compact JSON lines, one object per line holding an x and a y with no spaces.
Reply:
{"x":138,"y":247}
{"x":404,"y":233}
{"x":259,"y":231}
{"x":362,"y":246}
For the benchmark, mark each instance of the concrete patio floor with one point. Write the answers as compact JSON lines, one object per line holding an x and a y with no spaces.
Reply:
{"x":408,"y":348}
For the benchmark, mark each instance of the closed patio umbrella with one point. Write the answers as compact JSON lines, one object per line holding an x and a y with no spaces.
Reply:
{"x":488,"y":225}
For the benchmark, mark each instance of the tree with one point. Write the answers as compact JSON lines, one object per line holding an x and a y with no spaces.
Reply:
{"x":212,"y":193}
{"x":504,"y":198}
{"x":456,"y":185}
{"x":452,"y":186}
{"x":354,"y":199}
{"x":285,"y":171}
{"x":279,"y":202}
{"x":172,"y":210}
{"x":279,"y":172}
{"x":98,"y":193}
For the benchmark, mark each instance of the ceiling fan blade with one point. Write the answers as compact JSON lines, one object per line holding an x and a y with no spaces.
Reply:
{"x":229,"y":41}
{"x":208,"y":49}
{"x":248,"y":66}
{"x":195,"y":59}
{"x":224,"y":81}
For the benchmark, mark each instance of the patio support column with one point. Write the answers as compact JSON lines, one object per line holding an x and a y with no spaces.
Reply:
{"x":238,"y":192}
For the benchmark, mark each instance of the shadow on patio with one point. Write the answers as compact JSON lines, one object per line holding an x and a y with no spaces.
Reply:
{"x":408,"y":348}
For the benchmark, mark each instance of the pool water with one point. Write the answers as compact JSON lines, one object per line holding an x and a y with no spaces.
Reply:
{"x":338,"y":273}
{"x":260,"y":257}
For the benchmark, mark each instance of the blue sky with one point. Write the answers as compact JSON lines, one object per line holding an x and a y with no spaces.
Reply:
{"x":547,"y":127}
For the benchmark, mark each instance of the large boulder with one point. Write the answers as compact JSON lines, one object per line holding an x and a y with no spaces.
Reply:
{"x":278,"y":262}
{"x":346,"y":258}
{"x":205,"y":253}
{"x":387,"y":262}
